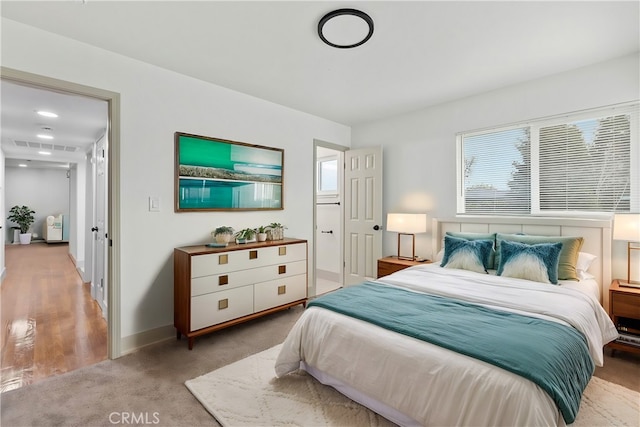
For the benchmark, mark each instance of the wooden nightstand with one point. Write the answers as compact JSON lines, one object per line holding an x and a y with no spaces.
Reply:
{"x":624,"y":308}
{"x":391,"y":264}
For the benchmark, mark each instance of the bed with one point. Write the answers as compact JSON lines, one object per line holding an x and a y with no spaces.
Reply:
{"x":464,"y":365}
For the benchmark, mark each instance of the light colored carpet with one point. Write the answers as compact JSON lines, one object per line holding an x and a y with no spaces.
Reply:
{"x":246,"y":393}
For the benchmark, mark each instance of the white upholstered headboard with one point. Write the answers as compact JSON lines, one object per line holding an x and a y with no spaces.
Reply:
{"x":596,"y":234}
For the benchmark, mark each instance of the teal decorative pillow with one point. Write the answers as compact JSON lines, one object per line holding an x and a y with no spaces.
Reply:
{"x":478,"y":236}
{"x":538,"y":262}
{"x":465,"y":254}
{"x":568,"y":256}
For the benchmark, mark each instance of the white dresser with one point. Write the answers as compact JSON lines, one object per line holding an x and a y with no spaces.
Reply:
{"x":215,"y":288}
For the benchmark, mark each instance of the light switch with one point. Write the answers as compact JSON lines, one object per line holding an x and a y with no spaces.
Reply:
{"x":154,"y":204}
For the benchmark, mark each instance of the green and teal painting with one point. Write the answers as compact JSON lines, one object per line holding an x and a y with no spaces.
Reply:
{"x":217,"y":174}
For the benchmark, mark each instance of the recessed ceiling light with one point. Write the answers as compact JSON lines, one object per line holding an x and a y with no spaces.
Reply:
{"x":22,"y":165}
{"x":44,"y":153}
{"x":47,"y":114}
{"x":44,"y":136}
{"x":345,"y":28}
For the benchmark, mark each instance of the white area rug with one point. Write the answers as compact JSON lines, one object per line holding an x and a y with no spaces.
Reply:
{"x":246,"y":393}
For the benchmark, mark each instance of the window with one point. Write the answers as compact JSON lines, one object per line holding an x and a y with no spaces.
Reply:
{"x":328,"y":176}
{"x":583,"y":162}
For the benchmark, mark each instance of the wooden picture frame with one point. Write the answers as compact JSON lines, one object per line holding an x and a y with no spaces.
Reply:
{"x":213,"y":174}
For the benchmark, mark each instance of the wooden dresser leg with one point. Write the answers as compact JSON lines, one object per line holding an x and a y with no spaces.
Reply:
{"x":178,"y":335}
{"x":191,"y":343}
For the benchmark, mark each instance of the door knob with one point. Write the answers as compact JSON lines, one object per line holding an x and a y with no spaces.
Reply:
{"x":376,"y":227}
{"x":94,"y":228}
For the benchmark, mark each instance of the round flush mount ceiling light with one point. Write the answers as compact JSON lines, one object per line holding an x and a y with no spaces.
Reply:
{"x":345,"y":28}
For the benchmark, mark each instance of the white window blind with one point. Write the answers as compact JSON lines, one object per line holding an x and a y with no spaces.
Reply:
{"x":497,"y":172}
{"x":585,"y":165}
{"x":582,"y":162}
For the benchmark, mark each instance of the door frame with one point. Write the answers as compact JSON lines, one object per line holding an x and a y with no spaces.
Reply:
{"x":113,"y":187}
{"x":98,"y":250}
{"x":319,"y":143}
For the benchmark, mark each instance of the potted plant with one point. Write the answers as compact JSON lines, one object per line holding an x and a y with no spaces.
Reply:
{"x":245,"y":235}
{"x":222,"y":234}
{"x":276,"y":231}
{"x":262,"y":233}
{"x":23,"y":216}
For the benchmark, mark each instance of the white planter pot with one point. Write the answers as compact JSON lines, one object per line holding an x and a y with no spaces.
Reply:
{"x":25,"y":238}
{"x":262,"y":237}
{"x":223,"y":238}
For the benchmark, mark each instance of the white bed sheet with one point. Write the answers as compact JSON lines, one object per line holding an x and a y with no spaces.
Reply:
{"x":587,"y":285}
{"x":428,"y":385}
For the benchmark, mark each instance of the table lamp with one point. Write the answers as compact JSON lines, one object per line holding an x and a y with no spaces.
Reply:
{"x":627,"y":227}
{"x":407,"y":225}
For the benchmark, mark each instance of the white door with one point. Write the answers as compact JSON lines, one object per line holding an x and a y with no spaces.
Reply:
{"x":99,"y":229}
{"x":363,"y":214}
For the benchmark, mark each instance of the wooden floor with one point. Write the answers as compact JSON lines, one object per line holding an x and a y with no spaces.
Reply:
{"x":51,"y":325}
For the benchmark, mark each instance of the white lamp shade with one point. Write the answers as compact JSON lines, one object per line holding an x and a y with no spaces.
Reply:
{"x":626,"y":227}
{"x":407,"y":223}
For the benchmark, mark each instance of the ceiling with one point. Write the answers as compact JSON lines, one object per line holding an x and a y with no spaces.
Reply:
{"x":422,"y":53}
{"x":80,"y":122}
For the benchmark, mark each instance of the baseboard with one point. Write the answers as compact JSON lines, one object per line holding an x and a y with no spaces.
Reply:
{"x":73,"y":259}
{"x":81,"y":273}
{"x":135,"y":342}
{"x":327,"y":275}
{"x":79,"y":268}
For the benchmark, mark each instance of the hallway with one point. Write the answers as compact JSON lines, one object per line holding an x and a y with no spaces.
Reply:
{"x":50,"y":324}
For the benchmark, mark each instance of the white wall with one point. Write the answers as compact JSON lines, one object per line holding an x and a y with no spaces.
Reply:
{"x":420,"y":148}
{"x":45,"y":191}
{"x":155,"y":103}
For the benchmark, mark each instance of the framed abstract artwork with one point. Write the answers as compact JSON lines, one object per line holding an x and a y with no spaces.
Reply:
{"x":213,"y":174}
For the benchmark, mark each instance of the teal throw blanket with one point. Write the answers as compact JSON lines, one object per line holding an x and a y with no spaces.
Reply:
{"x":554,"y":356}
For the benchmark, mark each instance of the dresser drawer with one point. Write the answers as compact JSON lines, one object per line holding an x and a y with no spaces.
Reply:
{"x":222,"y":282}
{"x":206,"y":265}
{"x":282,"y":254}
{"x":211,"y":309}
{"x":234,"y":279}
{"x":277,"y":292}
{"x":625,"y":305}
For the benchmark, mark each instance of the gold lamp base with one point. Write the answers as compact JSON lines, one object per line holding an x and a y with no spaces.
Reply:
{"x":413,"y":247}
{"x":630,"y":283}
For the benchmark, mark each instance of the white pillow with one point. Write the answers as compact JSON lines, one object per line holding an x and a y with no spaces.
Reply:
{"x":584,"y":261}
{"x":583,"y":275}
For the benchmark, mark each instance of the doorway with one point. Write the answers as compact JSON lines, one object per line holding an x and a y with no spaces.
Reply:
{"x":112,"y":224}
{"x":329,"y":203}
{"x":353,"y":238}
